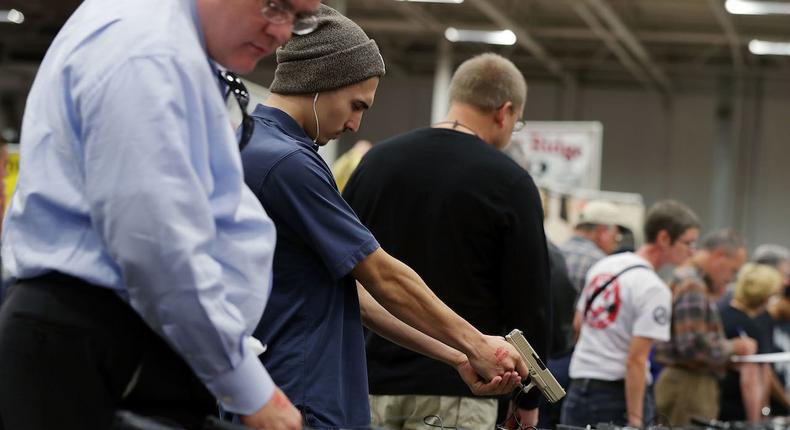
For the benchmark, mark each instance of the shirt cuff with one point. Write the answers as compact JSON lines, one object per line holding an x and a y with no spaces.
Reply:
{"x":244,"y":389}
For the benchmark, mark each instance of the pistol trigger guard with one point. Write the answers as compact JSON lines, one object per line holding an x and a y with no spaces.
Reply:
{"x":526,"y":388}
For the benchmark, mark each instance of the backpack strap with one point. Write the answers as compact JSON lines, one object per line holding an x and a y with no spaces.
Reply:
{"x":600,"y":289}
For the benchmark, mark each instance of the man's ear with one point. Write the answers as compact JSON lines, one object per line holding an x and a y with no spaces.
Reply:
{"x":501,"y":114}
{"x":663,"y":239}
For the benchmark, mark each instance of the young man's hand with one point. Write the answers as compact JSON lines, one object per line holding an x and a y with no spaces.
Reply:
{"x":499,"y":385}
{"x":494,"y":356}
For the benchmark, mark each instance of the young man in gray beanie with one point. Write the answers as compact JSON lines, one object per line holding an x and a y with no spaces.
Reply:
{"x":312,"y":326}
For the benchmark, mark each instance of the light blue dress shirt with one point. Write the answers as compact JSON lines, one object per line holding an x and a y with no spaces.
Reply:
{"x":130,"y":178}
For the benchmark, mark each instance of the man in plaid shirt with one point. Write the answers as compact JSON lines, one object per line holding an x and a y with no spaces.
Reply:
{"x":698,"y":352}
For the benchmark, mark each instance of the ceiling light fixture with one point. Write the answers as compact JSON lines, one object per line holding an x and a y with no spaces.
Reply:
{"x":504,"y":37}
{"x":751,"y":7}
{"x":436,"y":1}
{"x":13,"y":16}
{"x":764,"y":47}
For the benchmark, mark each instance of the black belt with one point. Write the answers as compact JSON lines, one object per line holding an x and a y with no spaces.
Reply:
{"x":71,"y":300}
{"x":586,"y":383}
{"x":121,"y":345}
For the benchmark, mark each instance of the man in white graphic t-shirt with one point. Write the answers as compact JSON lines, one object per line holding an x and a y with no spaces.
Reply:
{"x":624,"y":308}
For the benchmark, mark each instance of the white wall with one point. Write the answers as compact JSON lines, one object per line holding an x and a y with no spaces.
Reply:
{"x":768,"y":205}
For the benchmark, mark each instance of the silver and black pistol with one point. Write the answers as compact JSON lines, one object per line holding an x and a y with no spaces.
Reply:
{"x":539,"y":375}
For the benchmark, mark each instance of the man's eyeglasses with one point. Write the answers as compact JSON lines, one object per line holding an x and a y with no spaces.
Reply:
{"x":689,"y":243}
{"x":242,"y":96}
{"x":279,"y":13}
{"x":519,"y":124}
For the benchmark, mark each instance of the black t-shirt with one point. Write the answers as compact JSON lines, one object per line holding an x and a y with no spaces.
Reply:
{"x":736,"y":322}
{"x":469,"y":221}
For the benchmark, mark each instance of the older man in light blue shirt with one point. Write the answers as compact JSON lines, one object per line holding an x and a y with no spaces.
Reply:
{"x":131,"y":191}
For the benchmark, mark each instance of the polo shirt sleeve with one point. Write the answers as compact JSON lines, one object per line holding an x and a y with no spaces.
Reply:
{"x":301,"y":193}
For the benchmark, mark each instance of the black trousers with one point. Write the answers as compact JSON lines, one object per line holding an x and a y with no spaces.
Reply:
{"x":71,"y":354}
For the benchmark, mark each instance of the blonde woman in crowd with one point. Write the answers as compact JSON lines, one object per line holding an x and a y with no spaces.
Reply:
{"x":744,"y":386}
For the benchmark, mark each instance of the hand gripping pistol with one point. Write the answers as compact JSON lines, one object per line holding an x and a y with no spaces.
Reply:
{"x":539,"y":376}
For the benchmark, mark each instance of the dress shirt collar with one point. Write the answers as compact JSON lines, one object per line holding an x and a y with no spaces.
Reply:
{"x":285,"y":123}
{"x":201,"y":37}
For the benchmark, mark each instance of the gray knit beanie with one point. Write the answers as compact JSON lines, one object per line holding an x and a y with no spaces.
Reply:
{"x":336,"y":54}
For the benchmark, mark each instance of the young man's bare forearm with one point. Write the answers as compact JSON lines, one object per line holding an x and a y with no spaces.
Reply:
{"x":405,"y":295}
{"x":383,"y":323}
{"x":378,"y":319}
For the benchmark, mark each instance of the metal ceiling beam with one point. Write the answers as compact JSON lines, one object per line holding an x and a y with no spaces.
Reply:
{"x":394,"y":25}
{"x":683,"y":38}
{"x":689,"y":73}
{"x":523,"y":37}
{"x":584,"y":12}
{"x":724,"y":19}
{"x":631,"y":42}
{"x":706,"y":54}
{"x":414,"y":12}
{"x":646,"y":36}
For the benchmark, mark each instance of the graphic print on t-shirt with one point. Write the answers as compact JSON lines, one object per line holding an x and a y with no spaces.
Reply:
{"x":604,"y":309}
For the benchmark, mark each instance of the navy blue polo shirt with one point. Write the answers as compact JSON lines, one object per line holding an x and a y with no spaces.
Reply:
{"x":311,"y":325}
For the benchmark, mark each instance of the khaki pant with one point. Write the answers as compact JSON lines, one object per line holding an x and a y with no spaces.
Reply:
{"x":408,"y":412}
{"x":682,"y":394}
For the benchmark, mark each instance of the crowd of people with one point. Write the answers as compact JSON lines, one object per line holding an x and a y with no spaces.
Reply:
{"x":651,"y":351}
{"x":162,"y":264}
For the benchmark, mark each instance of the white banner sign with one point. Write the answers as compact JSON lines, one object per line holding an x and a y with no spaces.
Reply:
{"x":559,"y":152}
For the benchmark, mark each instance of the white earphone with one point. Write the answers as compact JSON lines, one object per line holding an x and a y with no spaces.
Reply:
{"x":317,"y":125}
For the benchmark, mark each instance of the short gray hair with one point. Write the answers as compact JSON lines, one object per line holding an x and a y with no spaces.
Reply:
{"x":771,"y":254}
{"x":487,"y":81}
{"x":725,"y":238}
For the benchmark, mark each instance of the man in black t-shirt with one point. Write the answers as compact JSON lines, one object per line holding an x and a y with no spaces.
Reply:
{"x":447,"y":202}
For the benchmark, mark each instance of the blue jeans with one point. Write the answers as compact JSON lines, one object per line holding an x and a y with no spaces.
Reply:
{"x":594,"y":403}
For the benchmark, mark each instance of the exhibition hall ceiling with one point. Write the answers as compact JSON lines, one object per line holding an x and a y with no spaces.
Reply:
{"x":654,"y":44}
{"x":651,"y":42}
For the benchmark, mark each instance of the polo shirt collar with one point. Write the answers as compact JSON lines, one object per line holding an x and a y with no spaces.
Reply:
{"x":285,"y":123}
